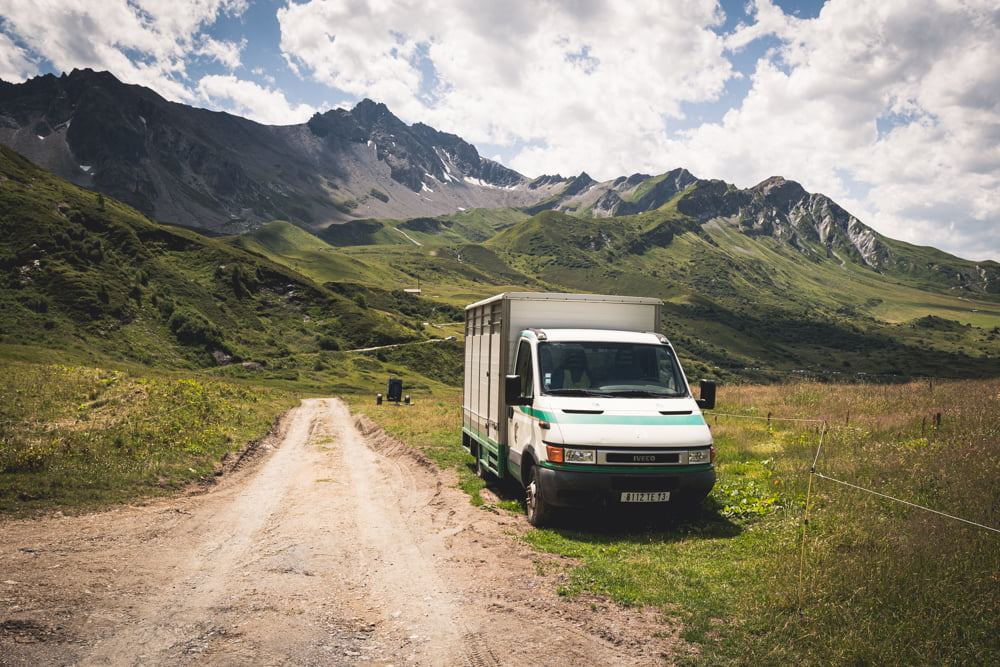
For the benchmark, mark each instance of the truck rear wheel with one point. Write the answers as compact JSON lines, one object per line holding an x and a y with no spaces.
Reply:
{"x":539,"y":511}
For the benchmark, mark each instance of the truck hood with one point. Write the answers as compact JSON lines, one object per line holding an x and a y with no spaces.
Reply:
{"x":623,"y":422}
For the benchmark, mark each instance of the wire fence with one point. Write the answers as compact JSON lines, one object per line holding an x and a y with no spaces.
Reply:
{"x":814,"y":474}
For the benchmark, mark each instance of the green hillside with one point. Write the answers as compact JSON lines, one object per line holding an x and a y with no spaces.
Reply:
{"x":287,"y":244}
{"x":86,"y":279}
{"x":466,"y":226}
{"x":738,"y":301}
{"x":737,"y":305}
{"x":94,"y":279}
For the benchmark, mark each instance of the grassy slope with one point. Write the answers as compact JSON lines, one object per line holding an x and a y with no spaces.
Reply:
{"x":474,"y":225}
{"x":77,"y":437}
{"x":290,"y":245}
{"x":98,"y":281}
{"x":737,"y":301}
{"x":733,"y":301}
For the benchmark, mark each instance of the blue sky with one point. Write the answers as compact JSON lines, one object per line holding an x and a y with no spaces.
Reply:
{"x":892,"y":107}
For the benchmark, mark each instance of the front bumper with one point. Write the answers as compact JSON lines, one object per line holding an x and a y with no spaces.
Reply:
{"x":560,"y":487}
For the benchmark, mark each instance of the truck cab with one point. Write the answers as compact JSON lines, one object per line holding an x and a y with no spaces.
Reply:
{"x":579,"y":400}
{"x":603,"y":417}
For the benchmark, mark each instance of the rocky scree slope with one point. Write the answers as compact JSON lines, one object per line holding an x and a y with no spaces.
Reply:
{"x":221,"y":173}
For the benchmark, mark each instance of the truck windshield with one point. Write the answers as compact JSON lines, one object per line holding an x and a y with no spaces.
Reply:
{"x":610,"y":369}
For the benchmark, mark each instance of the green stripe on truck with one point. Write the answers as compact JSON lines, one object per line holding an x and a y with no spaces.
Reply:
{"x":623,"y":420}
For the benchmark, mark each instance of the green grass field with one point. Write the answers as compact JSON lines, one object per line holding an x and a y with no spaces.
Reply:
{"x":79,"y":438}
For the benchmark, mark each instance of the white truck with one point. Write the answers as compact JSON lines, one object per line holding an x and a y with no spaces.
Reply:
{"x":578,"y":399}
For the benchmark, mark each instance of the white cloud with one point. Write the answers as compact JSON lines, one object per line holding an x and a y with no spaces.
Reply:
{"x":903,"y":96}
{"x":226,"y":53}
{"x":184,"y":17}
{"x":15,"y":63}
{"x":70,"y":33}
{"x":590,"y":82}
{"x":263,"y":75}
{"x":250,"y":100}
{"x":147,"y":42}
{"x":768,"y":20}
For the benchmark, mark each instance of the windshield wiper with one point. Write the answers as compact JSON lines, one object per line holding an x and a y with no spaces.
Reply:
{"x":576,"y":392}
{"x":644,"y":393}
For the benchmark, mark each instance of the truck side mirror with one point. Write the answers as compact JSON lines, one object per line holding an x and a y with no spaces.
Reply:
{"x":707,"y":400}
{"x":512,"y":390}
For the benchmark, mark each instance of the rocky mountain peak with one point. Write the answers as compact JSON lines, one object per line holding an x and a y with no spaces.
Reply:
{"x":412,"y":152}
{"x":628,"y":182}
{"x":779,"y":191}
{"x":546,"y":180}
{"x":808,"y":221}
{"x":369,"y":112}
{"x":216,"y":171}
{"x":578,"y":184}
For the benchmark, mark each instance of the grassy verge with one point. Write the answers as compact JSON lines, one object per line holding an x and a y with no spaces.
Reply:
{"x":78,"y":437}
{"x":867,"y":581}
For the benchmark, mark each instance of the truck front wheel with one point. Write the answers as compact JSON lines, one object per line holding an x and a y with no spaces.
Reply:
{"x":539,"y":511}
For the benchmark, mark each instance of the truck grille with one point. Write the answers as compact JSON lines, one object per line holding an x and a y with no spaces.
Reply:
{"x":643,"y":457}
{"x":639,"y":458}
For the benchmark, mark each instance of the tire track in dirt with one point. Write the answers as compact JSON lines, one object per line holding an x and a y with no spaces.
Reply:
{"x":398,"y":543}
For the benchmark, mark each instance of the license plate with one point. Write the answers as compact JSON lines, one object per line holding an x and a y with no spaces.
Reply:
{"x":645,"y":496}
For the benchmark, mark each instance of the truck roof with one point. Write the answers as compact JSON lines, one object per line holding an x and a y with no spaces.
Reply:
{"x":601,"y":336}
{"x":560,"y":296}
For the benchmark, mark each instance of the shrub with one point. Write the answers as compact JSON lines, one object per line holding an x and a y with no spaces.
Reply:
{"x":192,"y":328}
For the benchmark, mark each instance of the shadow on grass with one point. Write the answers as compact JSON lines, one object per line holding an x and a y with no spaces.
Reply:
{"x":666,"y":522}
{"x":660,"y":521}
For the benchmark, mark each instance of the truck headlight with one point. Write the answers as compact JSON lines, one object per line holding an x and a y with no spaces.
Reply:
{"x":696,"y":456}
{"x":579,"y":455}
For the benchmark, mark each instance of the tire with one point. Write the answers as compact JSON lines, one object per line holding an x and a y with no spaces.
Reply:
{"x":539,"y":511}
{"x":481,"y":471}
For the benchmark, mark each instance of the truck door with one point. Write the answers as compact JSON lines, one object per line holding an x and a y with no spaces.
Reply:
{"x":520,"y":428}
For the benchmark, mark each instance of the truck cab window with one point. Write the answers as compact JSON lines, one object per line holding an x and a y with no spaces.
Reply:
{"x":523,"y":368}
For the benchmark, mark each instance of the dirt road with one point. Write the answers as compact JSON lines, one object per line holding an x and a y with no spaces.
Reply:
{"x":334,"y":545}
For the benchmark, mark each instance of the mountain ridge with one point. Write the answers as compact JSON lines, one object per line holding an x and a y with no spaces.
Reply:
{"x":223,"y":174}
{"x":218,"y":172}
